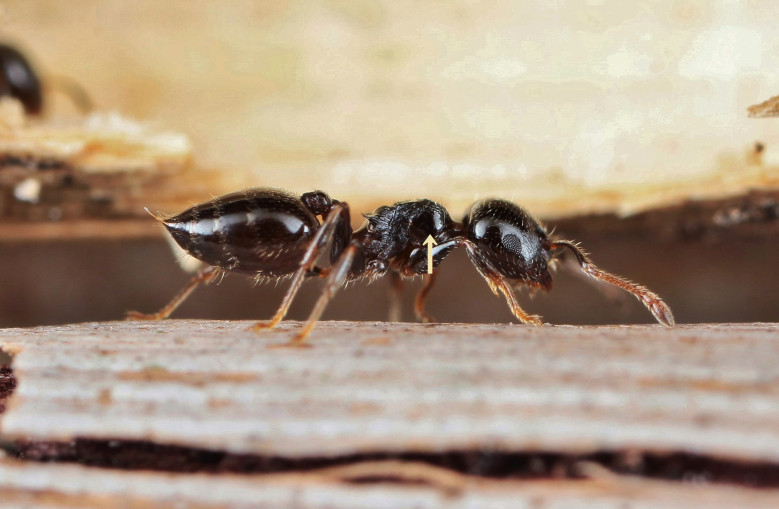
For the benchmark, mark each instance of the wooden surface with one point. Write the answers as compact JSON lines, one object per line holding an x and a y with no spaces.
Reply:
{"x":711,"y":391}
{"x":402,"y":387}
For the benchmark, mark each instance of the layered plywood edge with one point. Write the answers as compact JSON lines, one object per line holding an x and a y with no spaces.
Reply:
{"x":46,"y":485}
{"x":365,"y":388}
{"x":93,"y":177}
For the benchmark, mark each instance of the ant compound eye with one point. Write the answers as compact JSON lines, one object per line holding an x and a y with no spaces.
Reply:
{"x":510,"y":241}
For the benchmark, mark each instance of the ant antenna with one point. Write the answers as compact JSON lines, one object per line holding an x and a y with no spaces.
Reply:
{"x":73,"y":89}
{"x":651,"y":300}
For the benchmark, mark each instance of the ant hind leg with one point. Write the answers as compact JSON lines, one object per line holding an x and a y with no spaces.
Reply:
{"x":337,"y":277}
{"x":205,"y":275}
{"x":323,"y":235}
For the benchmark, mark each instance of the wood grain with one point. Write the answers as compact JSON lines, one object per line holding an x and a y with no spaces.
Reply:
{"x":46,"y":485}
{"x":366,"y":387}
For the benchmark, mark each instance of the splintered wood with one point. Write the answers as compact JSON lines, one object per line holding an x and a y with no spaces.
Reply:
{"x":372,"y":388}
{"x":768,"y":108}
{"x":90,"y":176}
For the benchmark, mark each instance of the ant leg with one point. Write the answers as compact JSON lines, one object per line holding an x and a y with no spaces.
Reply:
{"x":338,"y":274}
{"x":513,"y":303}
{"x":419,"y":302}
{"x":206,"y":275}
{"x":320,"y":240}
{"x":651,"y":300}
{"x":73,"y":89}
{"x":317,"y":272}
{"x":395,"y":292}
{"x":499,"y":284}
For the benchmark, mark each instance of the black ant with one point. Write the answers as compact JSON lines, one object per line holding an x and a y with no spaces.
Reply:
{"x":18,"y":79}
{"x":268,"y":233}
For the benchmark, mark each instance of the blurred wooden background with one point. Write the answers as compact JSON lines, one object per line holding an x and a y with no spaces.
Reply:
{"x":533,"y":101}
{"x":566,"y":108}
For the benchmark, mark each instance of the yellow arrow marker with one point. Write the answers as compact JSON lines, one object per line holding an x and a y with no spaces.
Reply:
{"x":430,"y":242}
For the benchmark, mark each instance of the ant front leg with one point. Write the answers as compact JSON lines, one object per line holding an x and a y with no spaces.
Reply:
{"x":419,"y":302}
{"x":513,"y":303}
{"x":206,"y":275}
{"x":338,"y":214}
{"x":498,"y":284}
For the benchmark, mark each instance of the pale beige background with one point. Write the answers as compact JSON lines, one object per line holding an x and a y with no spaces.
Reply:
{"x":450,"y":100}
{"x":561,"y":106}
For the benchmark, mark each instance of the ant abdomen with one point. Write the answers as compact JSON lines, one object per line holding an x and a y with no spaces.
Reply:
{"x":257,"y":231}
{"x":505,"y":239}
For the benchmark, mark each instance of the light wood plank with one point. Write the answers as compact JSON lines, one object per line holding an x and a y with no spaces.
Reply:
{"x":365,"y":387}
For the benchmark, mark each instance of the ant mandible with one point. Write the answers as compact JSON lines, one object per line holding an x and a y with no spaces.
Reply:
{"x":268,"y":233}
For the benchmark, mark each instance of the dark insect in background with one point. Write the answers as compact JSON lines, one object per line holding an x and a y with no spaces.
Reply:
{"x":20,"y":80}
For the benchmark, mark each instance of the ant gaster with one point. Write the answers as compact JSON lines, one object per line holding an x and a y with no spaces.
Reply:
{"x":268,"y":233}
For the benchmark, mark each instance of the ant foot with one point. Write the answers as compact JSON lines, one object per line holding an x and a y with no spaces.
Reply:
{"x":135,"y":315}
{"x":261,"y":326}
{"x":425,"y":318}
{"x":295,"y":343}
{"x":534,"y":320}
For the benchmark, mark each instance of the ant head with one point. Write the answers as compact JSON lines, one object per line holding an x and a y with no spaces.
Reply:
{"x":397,"y":234}
{"x":504,"y":239}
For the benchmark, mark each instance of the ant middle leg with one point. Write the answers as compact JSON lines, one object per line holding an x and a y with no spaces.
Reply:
{"x":395,"y":293}
{"x":337,"y":277}
{"x":205,"y":275}
{"x":419,"y":301}
{"x":323,"y":235}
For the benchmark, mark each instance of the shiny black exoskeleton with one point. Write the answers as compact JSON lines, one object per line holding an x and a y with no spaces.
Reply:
{"x":261,"y":232}
{"x":19,"y":80}
{"x":270,"y":234}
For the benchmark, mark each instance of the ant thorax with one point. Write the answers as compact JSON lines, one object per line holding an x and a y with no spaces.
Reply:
{"x":394,"y":237}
